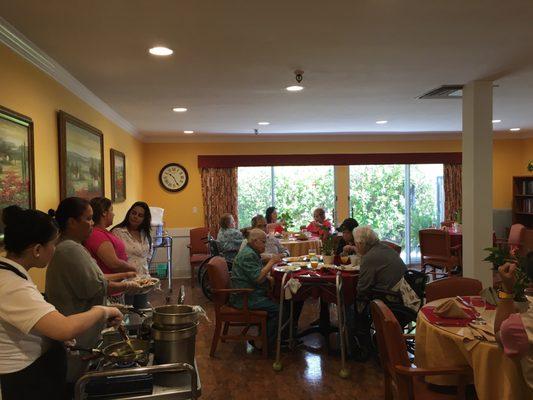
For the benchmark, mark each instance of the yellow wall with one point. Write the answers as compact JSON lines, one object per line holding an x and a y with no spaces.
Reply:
{"x":509,"y":160}
{"x":29,"y":91}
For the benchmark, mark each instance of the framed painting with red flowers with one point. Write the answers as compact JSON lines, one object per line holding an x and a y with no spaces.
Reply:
{"x":17,"y":174}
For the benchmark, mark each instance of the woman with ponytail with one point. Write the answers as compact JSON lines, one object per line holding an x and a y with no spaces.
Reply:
{"x":74,"y":282}
{"x":32,"y":357}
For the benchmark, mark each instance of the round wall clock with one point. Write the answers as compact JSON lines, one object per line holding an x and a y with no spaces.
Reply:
{"x":173,"y":177}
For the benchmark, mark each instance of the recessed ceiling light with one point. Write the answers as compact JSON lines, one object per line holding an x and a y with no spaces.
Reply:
{"x":496,"y":121}
{"x":263,"y":123}
{"x":179,"y":109}
{"x":188,"y":132}
{"x":382,"y":122}
{"x":514,"y":129}
{"x":160,"y":51}
{"x":295,"y":88}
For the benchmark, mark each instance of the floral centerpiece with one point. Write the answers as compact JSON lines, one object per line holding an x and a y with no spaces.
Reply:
{"x":328,"y":244}
{"x":501,"y":255}
{"x":286,"y":221}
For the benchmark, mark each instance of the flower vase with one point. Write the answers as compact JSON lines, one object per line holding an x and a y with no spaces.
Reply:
{"x":328,"y":259}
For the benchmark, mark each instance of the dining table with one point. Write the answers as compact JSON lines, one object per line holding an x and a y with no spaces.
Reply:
{"x":329,"y":285}
{"x":443,"y":342}
{"x":299,"y":247}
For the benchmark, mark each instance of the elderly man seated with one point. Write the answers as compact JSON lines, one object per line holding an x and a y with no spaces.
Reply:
{"x":381,"y":268}
{"x":249,"y":272}
{"x":273,"y":245}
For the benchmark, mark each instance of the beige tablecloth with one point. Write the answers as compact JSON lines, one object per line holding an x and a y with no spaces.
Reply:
{"x":496,"y":376}
{"x":301,"y":247}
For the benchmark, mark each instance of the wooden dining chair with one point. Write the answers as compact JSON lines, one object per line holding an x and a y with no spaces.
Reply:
{"x":403,"y":380}
{"x":436,"y":251}
{"x":514,"y":240}
{"x":451,"y":287}
{"x":227,"y":316}
{"x":198,"y":249}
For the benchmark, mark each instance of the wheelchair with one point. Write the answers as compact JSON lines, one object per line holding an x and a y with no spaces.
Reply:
{"x":203,"y":276}
{"x":405,"y":315}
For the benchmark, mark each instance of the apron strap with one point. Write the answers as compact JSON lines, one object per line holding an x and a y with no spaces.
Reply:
{"x":11,"y":268}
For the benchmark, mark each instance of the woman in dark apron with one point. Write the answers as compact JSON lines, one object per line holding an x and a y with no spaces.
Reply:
{"x":32,"y":331}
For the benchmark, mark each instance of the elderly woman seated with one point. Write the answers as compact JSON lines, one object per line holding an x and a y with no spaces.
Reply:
{"x":272,"y":246}
{"x":229,"y":238}
{"x":249,"y":272}
{"x":319,"y":223}
{"x":381,"y":268}
{"x":515,"y":331}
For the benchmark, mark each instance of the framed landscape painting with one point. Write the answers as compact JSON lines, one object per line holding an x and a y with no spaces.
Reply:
{"x":81,"y":158}
{"x":17,"y":181}
{"x":118,"y":176}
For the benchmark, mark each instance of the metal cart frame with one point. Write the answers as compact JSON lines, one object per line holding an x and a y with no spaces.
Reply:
{"x":166,"y":243}
{"x":158,"y":393}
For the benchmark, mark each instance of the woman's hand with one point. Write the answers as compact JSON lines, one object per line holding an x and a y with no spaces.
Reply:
{"x":507,"y":272}
{"x":348,"y":249}
{"x":131,"y":287}
{"x":112,"y":315}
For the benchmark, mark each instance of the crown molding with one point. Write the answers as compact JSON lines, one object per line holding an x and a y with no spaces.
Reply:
{"x":25,"y":48}
{"x":170,"y":137}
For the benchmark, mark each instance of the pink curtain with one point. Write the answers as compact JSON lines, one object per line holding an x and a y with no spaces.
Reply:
{"x":219,"y":191}
{"x":452,"y":191}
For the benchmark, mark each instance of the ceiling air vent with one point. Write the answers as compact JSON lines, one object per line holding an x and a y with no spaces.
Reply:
{"x":444,"y":92}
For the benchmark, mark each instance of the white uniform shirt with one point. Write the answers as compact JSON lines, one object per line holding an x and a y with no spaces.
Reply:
{"x":138,"y":252}
{"x":21,"y":307}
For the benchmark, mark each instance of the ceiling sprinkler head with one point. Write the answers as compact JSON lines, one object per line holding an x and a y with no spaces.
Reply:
{"x":299,"y":75}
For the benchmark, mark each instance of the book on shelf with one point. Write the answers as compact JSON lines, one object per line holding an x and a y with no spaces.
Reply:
{"x":527,"y":187}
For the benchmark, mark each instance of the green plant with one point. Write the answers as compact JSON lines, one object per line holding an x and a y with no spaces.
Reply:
{"x":501,"y":255}
{"x":328,"y":241}
{"x":289,"y":221}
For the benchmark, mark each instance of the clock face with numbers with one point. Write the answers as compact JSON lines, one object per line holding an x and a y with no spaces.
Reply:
{"x":173,"y":177}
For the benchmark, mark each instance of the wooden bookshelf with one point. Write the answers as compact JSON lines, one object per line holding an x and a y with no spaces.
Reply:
{"x":523,"y":200}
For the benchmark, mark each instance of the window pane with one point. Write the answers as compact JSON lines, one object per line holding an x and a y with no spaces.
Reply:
{"x":299,"y":190}
{"x":254,"y":192}
{"x":426,"y":199}
{"x":377,"y":199}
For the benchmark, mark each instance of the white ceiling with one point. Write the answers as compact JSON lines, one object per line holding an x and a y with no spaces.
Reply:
{"x":363,"y":60}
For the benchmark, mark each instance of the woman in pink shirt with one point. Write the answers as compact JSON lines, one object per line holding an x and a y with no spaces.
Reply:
{"x":515,"y":331}
{"x":108,"y":250}
{"x":319,"y":223}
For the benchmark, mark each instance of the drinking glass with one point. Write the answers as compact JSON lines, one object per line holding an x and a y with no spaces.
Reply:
{"x":479,"y":305}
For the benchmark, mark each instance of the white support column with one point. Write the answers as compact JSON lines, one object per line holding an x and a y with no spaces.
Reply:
{"x":477,"y":179}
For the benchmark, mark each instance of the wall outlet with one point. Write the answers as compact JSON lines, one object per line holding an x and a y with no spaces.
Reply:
{"x":194,"y":210}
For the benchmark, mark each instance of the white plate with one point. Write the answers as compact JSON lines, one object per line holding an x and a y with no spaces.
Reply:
{"x":287,"y":268}
{"x":293,"y":259}
{"x":299,"y":264}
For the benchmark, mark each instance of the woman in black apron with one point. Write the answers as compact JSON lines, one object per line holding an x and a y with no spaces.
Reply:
{"x":32,"y":331}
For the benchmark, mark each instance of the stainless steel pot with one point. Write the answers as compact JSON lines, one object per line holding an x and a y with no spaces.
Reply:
{"x":174,"y":345}
{"x":174,"y":316}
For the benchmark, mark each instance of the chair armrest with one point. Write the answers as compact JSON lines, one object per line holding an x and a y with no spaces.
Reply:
{"x":245,"y":293}
{"x":432,"y":371}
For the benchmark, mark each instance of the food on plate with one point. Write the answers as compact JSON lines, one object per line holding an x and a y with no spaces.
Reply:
{"x":146,"y":281}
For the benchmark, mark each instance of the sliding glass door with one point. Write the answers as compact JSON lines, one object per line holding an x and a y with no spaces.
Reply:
{"x":296,"y":190}
{"x":397,"y":201}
